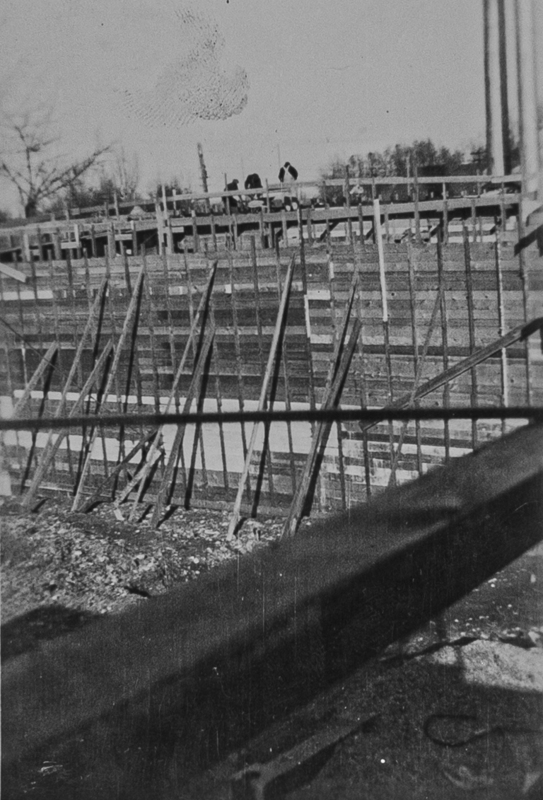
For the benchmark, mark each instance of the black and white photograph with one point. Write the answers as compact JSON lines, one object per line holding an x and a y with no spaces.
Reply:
{"x":271,"y":399}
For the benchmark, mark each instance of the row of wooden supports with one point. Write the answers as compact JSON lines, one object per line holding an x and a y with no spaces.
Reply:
{"x":272,"y":230}
{"x":200,"y":342}
{"x":99,"y":383}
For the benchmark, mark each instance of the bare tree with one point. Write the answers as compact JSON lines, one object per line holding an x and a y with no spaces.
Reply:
{"x":126,"y":174}
{"x":31,"y":162}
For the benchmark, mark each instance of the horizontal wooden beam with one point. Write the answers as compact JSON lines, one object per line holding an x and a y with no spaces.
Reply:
{"x":338,"y":213}
{"x":183,"y":678}
{"x":10,"y":272}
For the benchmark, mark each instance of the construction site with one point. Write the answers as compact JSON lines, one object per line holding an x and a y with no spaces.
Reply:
{"x":367,"y":375}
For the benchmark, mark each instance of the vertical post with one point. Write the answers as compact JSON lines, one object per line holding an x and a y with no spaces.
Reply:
{"x":504,"y":375}
{"x":112,"y":252}
{"x":381,"y":255}
{"x":261,"y":227}
{"x":444,"y":340}
{"x":40,"y":246}
{"x":237,"y":350}
{"x":415,"y":340}
{"x":361,"y":224}
{"x":203,"y":176}
{"x":56,"y":244}
{"x":213,"y":232}
{"x":493,"y":88}
{"x":134,"y":238}
{"x":387,"y":223}
{"x":159,"y":232}
{"x":348,"y":205}
{"x":416,"y":202}
{"x":527,"y":97}
{"x":445,"y":218}
{"x":258,"y":303}
{"x":502,"y":44}
{"x":473,"y":220}
{"x":325,"y":200}
{"x":309,"y":225}
{"x":195,"y":239}
{"x":386,"y":324}
{"x":284,"y":227}
{"x":471,"y":329}
{"x":227,"y":197}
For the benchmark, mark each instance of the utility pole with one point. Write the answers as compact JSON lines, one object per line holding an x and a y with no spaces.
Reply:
{"x":494,"y":91}
{"x":203,"y":170}
{"x":203,"y":174}
{"x":527,"y":94}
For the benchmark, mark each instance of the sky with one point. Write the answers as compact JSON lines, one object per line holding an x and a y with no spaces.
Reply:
{"x":302,"y":80}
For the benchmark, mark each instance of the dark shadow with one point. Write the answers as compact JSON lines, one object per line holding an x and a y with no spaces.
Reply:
{"x":441,"y":732}
{"x":148,"y":743}
{"x":24,"y":633}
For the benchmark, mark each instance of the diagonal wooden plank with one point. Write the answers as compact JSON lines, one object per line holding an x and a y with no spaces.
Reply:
{"x":277,"y":334}
{"x":10,"y":272}
{"x":89,"y":502}
{"x":171,"y":464}
{"x":514,"y":335}
{"x":320,"y":437}
{"x":201,"y":313}
{"x":300,"y":495}
{"x":89,"y":326}
{"x":128,"y":320}
{"x":53,"y":444}
{"x":45,"y":363}
{"x":420,"y":361}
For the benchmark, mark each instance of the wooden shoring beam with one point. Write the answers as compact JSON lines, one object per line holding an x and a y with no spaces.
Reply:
{"x":46,"y":367}
{"x":319,"y":440}
{"x":117,"y":469}
{"x":10,"y":272}
{"x":166,"y":485}
{"x":131,"y":315}
{"x":262,"y":401}
{"x":378,"y":238}
{"x":338,"y":347}
{"x":517,"y":334}
{"x":47,"y":362}
{"x":419,"y":361}
{"x":95,"y":312}
{"x":141,"y":477}
{"x":219,"y":659}
{"x":53,"y":444}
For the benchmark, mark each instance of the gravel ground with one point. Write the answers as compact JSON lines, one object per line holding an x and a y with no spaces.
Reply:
{"x":60,"y":570}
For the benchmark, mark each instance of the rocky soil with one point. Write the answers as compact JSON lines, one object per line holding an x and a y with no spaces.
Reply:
{"x":60,"y":569}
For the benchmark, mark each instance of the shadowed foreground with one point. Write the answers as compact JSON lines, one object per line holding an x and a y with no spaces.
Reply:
{"x":173,"y":686}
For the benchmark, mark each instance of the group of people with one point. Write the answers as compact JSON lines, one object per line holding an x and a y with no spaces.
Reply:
{"x":288,"y":175}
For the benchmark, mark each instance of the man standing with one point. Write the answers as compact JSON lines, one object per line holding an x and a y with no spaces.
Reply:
{"x":288,"y":175}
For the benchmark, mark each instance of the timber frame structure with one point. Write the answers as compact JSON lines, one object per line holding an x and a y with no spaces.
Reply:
{"x":365,"y":319}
